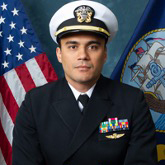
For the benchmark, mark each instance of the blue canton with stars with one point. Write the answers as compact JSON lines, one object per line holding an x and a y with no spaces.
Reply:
{"x":18,"y":42}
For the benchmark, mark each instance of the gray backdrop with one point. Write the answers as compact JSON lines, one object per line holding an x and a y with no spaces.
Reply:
{"x":128,"y":13}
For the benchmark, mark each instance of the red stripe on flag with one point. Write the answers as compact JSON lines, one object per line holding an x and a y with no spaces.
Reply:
{"x":46,"y":67}
{"x":25,"y":77}
{"x":8,"y":99}
{"x":5,"y":146}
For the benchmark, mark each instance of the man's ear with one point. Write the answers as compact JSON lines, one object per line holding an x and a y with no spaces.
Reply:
{"x":58,"y":54}
{"x":105,"y":55}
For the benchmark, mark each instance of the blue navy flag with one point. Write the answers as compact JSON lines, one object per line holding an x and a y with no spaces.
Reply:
{"x":23,"y":66}
{"x":143,"y":65}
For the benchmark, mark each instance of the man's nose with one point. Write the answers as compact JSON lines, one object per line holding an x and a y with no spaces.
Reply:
{"x":83,"y":54}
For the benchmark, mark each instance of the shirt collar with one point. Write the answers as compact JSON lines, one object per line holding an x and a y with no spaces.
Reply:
{"x":77,"y":93}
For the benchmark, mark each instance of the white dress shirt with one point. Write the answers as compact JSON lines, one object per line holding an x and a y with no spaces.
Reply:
{"x":77,"y":93}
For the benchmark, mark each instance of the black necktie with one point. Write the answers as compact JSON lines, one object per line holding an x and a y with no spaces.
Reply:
{"x":83,"y":99}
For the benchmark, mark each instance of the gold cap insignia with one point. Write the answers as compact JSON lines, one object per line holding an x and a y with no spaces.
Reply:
{"x":115,"y":136}
{"x":84,"y":14}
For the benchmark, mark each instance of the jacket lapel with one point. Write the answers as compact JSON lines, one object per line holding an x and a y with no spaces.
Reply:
{"x":95,"y":112}
{"x":67,"y":108}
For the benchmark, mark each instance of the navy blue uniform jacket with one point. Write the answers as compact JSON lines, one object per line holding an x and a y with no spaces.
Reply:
{"x":51,"y":130}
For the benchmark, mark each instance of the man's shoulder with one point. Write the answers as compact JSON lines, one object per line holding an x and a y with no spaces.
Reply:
{"x":120,"y":90}
{"x":122,"y":94}
{"x":117,"y":85}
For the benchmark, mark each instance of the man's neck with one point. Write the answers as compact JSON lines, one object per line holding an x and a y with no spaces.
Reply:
{"x":82,"y":87}
{"x":77,"y":93}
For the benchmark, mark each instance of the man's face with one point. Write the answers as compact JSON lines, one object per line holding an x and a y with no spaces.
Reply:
{"x":82,"y":57}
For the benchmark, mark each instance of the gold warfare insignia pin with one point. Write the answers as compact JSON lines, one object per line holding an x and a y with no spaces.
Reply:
{"x":115,"y":136}
{"x":84,"y":14}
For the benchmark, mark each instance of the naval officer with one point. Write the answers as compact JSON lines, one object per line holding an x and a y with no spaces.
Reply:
{"x":84,"y":118}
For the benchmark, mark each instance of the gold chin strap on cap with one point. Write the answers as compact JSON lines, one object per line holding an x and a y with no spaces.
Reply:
{"x":82,"y":27}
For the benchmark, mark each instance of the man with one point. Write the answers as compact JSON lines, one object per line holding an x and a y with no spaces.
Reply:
{"x":84,"y":118}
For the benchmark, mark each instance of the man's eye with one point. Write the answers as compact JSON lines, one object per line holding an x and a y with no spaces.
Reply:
{"x":93,"y":47}
{"x":72,"y":47}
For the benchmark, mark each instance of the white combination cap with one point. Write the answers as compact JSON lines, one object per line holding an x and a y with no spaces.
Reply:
{"x":83,"y":15}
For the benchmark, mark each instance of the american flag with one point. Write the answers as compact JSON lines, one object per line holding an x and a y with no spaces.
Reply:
{"x":23,"y":66}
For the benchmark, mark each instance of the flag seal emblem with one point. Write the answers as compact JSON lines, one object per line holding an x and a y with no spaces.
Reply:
{"x":145,"y":68}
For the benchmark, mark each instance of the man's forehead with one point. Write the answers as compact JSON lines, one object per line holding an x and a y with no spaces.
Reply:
{"x":82,"y":37}
{"x":82,"y":41}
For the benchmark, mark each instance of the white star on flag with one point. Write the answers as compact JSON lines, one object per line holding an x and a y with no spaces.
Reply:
{"x":19,"y":56}
{"x":23,"y":30}
{"x":21,"y":44}
{"x":8,"y":51}
{"x":32,"y":49}
{"x":10,"y":38}
{"x":12,"y":25}
{"x":4,"y":6}
{"x":2,"y":20}
{"x":5,"y":64}
{"x":15,"y":12}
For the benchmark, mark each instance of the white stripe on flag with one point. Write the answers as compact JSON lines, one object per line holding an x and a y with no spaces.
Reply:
{"x":15,"y":86}
{"x":6,"y":121}
{"x":36,"y":73}
{"x":2,"y":160}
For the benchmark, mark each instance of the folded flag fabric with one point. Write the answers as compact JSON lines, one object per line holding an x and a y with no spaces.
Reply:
{"x":143,"y":65}
{"x":23,"y":66}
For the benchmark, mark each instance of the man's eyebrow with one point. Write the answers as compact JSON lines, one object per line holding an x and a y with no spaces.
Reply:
{"x":89,"y":43}
{"x":94,"y":42}
{"x":71,"y":42}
